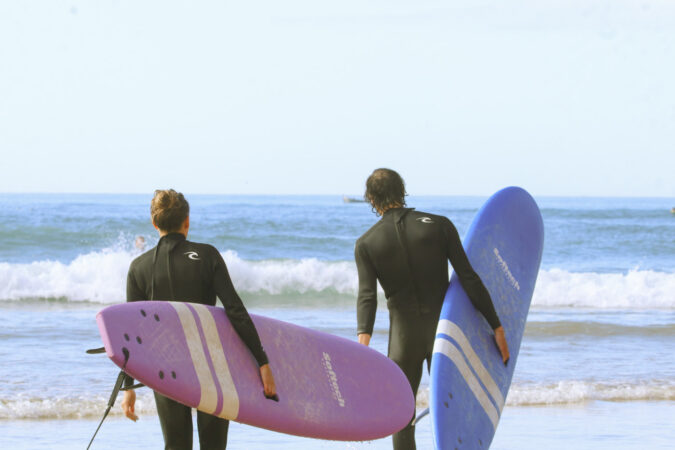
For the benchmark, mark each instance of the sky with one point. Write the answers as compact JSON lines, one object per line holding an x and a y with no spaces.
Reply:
{"x":464,"y":97}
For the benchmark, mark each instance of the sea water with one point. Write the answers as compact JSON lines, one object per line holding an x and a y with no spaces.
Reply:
{"x":596,"y":366}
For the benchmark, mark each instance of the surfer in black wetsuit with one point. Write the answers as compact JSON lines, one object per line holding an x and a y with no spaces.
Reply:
{"x":408,"y":252}
{"x":180,"y":270}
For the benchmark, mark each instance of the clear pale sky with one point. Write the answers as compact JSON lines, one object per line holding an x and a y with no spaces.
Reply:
{"x":562,"y":97}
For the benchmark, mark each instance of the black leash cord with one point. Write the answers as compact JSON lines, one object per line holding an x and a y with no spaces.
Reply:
{"x":115,"y":391}
{"x":111,"y":402}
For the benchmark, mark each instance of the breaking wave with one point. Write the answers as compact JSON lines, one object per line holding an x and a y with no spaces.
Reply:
{"x":101,"y":277}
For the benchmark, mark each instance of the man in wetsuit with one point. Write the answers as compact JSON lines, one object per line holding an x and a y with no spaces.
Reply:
{"x":408,"y":252}
{"x":180,"y":270}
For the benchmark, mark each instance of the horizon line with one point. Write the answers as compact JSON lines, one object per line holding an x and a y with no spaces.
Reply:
{"x":357,"y":196}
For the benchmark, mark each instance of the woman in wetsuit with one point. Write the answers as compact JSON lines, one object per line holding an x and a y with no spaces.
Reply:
{"x":180,"y":270}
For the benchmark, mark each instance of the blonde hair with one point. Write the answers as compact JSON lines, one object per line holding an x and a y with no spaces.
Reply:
{"x":169,"y":209}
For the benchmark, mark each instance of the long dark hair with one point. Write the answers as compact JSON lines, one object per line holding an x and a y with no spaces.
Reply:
{"x":385,"y":189}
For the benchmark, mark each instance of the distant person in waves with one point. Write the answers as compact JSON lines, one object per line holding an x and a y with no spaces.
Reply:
{"x":139,"y":243}
{"x":408,"y":252}
{"x":180,"y":270}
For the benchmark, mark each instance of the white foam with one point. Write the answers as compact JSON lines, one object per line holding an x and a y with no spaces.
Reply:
{"x":570,"y":392}
{"x":567,"y":392}
{"x":98,"y":277}
{"x":22,"y":406}
{"x":574,"y":392}
{"x":636,"y":289}
{"x":101,"y":277}
{"x":291,"y":276}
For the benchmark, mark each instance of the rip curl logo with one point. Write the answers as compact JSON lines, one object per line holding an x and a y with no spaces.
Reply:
{"x":425,"y":220}
{"x":332,"y":379}
{"x":192,"y":255}
{"x":505,"y":269}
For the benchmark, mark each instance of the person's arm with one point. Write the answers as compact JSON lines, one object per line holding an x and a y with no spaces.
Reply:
{"x":366,"y":303}
{"x":474,"y":287}
{"x":241,"y":321}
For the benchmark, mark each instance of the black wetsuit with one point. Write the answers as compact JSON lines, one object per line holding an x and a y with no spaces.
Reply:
{"x":408,"y":252}
{"x":180,"y":270}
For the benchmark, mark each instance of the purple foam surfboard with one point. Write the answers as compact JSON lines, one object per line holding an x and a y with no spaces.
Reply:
{"x":328,"y":387}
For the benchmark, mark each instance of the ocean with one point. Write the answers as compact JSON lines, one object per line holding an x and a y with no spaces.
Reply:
{"x":595,"y":370}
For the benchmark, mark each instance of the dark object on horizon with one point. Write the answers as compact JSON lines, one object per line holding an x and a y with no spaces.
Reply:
{"x":352,"y":199}
{"x":672,"y":210}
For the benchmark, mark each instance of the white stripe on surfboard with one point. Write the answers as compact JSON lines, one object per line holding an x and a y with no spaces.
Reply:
{"x":230,"y":397}
{"x":208,"y":401}
{"x":447,"y":348}
{"x":452,"y":330}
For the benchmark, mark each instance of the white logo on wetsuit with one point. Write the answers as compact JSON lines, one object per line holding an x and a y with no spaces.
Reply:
{"x":425,"y":219}
{"x":192,"y":255}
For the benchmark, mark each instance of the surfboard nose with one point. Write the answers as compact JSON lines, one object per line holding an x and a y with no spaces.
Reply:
{"x":141,"y":338}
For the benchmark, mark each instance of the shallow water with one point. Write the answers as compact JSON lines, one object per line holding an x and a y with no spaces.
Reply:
{"x":595,"y":367}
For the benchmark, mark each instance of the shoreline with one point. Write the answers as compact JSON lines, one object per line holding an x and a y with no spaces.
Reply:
{"x":599,"y":424}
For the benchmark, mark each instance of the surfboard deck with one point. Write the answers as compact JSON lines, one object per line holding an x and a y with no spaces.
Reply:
{"x":468,"y":380}
{"x":328,"y":387}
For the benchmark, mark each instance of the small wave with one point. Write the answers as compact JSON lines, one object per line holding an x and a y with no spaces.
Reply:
{"x":571,"y":392}
{"x":101,"y":277}
{"x":561,"y":393}
{"x":69,"y":407}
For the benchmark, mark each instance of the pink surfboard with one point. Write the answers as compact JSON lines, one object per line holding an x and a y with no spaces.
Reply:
{"x":328,"y":387}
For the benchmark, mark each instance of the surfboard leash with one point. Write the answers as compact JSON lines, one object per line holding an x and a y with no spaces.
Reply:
{"x":111,"y":402}
{"x":419,"y":416}
{"x":116,"y":388}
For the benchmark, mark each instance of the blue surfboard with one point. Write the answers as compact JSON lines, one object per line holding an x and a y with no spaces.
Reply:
{"x":469,"y":381}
